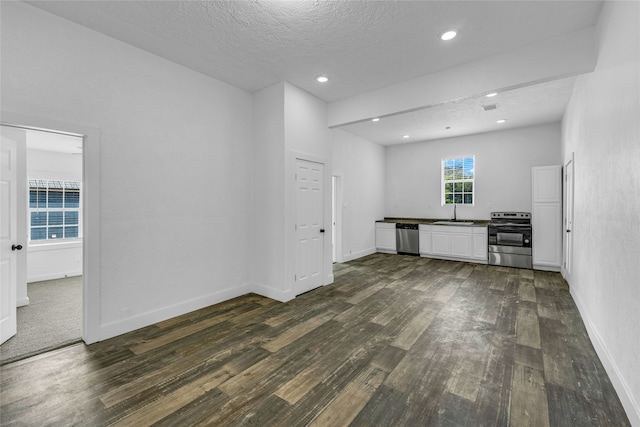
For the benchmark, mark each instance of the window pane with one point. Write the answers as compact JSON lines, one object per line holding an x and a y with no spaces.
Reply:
{"x":38,"y":233}
{"x":458,"y":187}
{"x":72,"y":199}
{"x":457,"y":198}
{"x":54,"y":233}
{"x":55,"y":218}
{"x":38,"y":218}
{"x":448,"y":188}
{"x":70,"y":218}
{"x":70,"y":232}
{"x":37,"y":199}
{"x":459,"y":168}
{"x":468,"y":168}
{"x":468,"y":199}
{"x":468,"y":187}
{"x":55,"y":199}
{"x":448,"y":199}
{"x":448,"y":170}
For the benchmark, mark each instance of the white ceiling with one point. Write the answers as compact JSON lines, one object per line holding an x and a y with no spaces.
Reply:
{"x":526,"y":106}
{"x":360,"y":45}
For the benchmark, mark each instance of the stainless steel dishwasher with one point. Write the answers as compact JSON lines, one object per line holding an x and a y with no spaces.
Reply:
{"x":407,"y":239}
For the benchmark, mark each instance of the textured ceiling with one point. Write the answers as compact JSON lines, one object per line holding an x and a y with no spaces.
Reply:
{"x":360,"y":45}
{"x":526,"y":106}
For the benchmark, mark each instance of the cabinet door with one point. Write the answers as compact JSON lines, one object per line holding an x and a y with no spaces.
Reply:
{"x":546,"y":217}
{"x":386,"y":237}
{"x":425,"y":242}
{"x":546,"y":184}
{"x":547,"y":234}
{"x":440,"y":243}
{"x":461,"y":245}
{"x":480,"y":245}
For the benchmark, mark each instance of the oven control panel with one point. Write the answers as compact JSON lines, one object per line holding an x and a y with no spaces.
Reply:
{"x":510,"y":215}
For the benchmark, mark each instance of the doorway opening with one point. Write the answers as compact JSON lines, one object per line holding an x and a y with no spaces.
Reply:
{"x":49,"y":285}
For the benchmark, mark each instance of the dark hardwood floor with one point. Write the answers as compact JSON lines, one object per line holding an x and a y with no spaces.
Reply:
{"x":396,"y":340}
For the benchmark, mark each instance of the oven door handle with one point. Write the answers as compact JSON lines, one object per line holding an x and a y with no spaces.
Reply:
{"x":509,"y":229}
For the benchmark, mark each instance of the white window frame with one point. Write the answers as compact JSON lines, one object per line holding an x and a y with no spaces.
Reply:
{"x":63,"y":210}
{"x":444,"y":181}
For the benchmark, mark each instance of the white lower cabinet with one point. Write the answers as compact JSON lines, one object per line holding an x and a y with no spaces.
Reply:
{"x":440,"y":242}
{"x":386,"y":237}
{"x":461,"y":243}
{"x":425,"y":239}
{"x":480,"y":248}
{"x":452,"y":242}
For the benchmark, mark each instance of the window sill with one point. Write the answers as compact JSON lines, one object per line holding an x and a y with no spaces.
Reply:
{"x":47,"y":246}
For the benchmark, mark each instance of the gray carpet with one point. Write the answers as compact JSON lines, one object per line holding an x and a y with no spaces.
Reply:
{"x":53,"y":319}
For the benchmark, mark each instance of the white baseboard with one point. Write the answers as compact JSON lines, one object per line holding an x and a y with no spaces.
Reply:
{"x":113,"y":329}
{"x":273,"y":293}
{"x":617,"y":379}
{"x":384,"y":251}
{"x":22,"y":302}
{"x":358,"y":254}
{"x":453,"y":258}
{"x":53,"y":276}
{"x":553,"y":268}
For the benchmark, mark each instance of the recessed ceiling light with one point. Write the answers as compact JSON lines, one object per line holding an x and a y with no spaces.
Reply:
{"x":377,"y":119}
{"x":492,"y":94}
{"x":501,"y":121}
{"x":405,"y":136}
{"x":323,"y":79}
{"x":448,"y":35}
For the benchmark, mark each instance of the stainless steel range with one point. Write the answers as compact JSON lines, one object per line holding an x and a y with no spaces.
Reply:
{"x":510,"y":239}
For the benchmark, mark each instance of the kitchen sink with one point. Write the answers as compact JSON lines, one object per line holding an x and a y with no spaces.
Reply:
{"x":453,"y":223}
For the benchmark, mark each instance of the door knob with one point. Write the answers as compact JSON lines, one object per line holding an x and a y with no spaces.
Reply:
{"x":322,"y":230}
{"x":16,"y":247}
{"x":568,"y":231}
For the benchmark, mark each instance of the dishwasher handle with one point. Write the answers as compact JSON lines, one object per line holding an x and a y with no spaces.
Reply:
{"x":406,"y":226}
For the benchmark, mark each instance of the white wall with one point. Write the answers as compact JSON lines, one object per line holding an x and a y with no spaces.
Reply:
{"x":307,"y":137}
{"x":360,"y":165}
{"x":53,"y":260}
{"x":52,"y":165}
{"x":601,"y":126}
{"x":503,"y":172}
{"x":289,"y":123}
{"x":267,"y":219}
{"x":174,"y":150}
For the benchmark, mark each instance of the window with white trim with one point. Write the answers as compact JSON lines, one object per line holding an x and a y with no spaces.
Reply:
{"x":458,"y":180}
{"x":54,"y":210}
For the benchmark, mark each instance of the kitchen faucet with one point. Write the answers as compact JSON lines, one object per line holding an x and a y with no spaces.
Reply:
{"x":454,"y":211}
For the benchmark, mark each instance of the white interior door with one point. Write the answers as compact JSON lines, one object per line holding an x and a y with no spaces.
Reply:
{"x":309,"y":225}
{"x":8,"y":238}
{"x":568,"y":220}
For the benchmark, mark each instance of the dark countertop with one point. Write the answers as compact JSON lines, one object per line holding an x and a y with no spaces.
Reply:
{"x":476,"y":222}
